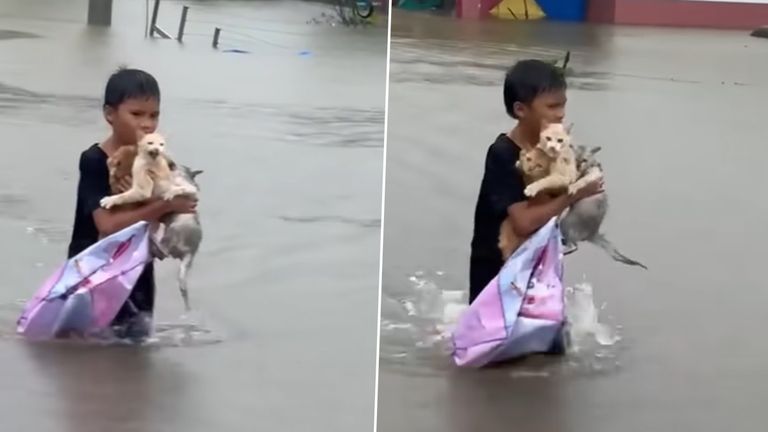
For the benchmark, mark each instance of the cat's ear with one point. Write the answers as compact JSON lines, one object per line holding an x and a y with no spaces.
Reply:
{"x":569,"y":128}
{"x":594,"y":150}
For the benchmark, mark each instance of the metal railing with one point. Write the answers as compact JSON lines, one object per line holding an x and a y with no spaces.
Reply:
{"x":155,"y":29}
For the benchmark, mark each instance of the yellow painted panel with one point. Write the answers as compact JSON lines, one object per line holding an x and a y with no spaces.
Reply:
{"x":515,"y":10}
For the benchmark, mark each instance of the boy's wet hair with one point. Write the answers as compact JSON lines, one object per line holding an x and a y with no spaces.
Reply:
{"x":128,"y":83}
{"x":527,"y":79}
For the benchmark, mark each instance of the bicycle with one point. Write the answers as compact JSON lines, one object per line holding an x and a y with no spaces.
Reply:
{"x":363,"y":8}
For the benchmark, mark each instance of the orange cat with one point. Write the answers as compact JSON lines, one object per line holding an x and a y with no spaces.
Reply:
{"x":120,"y":165}
{"x":551,"y":167}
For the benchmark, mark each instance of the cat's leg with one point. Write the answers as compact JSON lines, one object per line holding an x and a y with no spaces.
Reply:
{"x":176,"y":190}
{"x":141,"y":190}
{"x":569,"y":248}
{"x":592,"y":175}
{"x":156,"y":241}
{"x":553,"y":181}
{"x":132,"y":195}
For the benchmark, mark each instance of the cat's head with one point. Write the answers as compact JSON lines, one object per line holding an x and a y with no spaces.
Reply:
{"x":554,"y":137}
{"x":585,"y":157}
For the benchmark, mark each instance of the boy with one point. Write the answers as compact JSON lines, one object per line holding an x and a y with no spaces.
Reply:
{"x":131,"y":104}
{"x":534,"y":91}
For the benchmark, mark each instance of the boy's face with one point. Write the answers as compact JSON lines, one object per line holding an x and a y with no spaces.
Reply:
{"x":131,"y":117}
{"x":547,"y":107}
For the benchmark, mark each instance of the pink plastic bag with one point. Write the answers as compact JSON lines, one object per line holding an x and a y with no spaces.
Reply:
{"x":86,"y":292}
{"x":521,"y":311}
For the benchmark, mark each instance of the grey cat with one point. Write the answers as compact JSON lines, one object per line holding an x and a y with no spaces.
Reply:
{"x":582,"y":221}
{"x":182,"y":233}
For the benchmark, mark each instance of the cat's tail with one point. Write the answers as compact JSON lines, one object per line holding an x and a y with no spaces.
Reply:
{"x":603,"y":243}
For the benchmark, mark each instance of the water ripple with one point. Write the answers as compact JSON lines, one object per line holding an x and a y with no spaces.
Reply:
{"x":360,"y":222}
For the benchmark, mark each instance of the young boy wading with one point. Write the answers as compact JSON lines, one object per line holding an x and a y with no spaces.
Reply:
{"x":131,"y":105}
{"x":534,"y":91}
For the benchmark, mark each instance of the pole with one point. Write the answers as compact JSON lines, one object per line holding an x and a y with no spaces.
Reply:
{"x":153,"y":23}
{"x":216,"y":34}
{"x":100,"y":13}
{"x":182,"y":23}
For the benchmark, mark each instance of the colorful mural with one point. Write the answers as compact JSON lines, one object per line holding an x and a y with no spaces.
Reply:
{"x":561,"y":10}
{"x":518,"y":10}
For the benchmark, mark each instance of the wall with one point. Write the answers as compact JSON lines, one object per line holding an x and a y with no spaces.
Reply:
{"x":726,"y":14}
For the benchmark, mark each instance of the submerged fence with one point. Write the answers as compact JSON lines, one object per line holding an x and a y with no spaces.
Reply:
{"x":233,"y":32}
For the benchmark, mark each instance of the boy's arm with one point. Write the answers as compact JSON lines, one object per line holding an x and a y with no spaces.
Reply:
{"x":528,"y":216}
{"x":94,"y":185}
{"x":113,"y":220}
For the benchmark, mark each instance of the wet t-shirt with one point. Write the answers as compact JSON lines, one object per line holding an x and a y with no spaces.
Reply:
{"x":502,"y":186}
{"x":91,"y":188}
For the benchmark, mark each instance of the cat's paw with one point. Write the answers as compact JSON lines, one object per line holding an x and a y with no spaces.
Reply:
{"x":530,"y":191}
{"x":170,"y":194}
{"x":570,"y":248}
{"x":108,"y":202}
{"x":189,"y":190}
{"x":157,"y":250}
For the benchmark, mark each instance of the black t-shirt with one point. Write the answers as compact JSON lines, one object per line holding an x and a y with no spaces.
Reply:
{"x":91,"y":188}
{"x":502,"y":186}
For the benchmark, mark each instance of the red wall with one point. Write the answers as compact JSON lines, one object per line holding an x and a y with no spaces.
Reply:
{"x":601,"y":11}
{"x":679,"y":13}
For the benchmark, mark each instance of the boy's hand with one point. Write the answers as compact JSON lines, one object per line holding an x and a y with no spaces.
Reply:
{"x":590,"y":189}
{"x":182,"y":204}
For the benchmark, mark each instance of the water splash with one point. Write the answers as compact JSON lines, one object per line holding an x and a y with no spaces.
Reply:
{"x":420,"y":323}
{"x":191,"y":330}
{"x":419,"y":326}
{"x":584,"y":327}
{"x":182,"y":335}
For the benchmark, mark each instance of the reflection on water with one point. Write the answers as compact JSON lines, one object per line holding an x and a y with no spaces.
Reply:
{"x":81,"y":380}
{"x":672,"y":323}
{"x":291,"y":146}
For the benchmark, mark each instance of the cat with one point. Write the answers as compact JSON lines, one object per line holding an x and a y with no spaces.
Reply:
{"x":582,"y":220}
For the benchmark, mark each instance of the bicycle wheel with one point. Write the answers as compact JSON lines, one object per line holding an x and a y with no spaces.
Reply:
{"x":363,"y":8}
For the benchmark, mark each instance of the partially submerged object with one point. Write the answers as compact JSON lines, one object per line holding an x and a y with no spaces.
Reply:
{"x":521,"y":311}
{"x":761,"y":32}
{"x":85,"y":294}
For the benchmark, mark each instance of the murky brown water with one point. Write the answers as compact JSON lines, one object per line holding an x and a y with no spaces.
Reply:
{"x":680,"y":115}
{"x":285,"y":285}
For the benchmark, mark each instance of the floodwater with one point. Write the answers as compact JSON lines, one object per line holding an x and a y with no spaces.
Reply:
{"x":290,"y":136}
{"x":680,"y":115}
